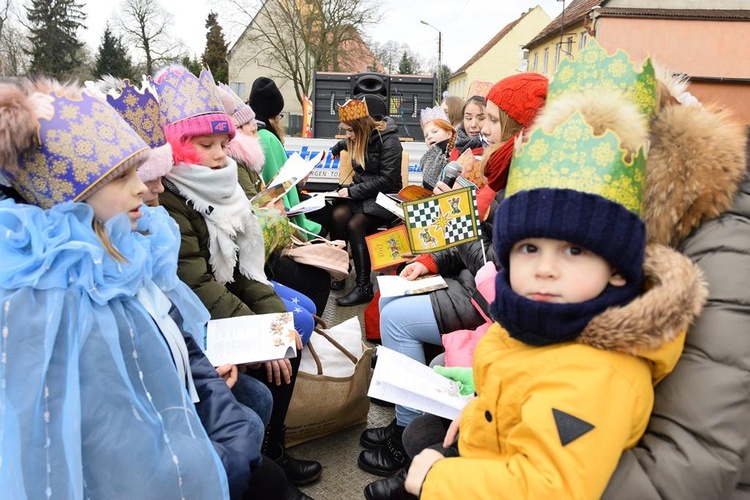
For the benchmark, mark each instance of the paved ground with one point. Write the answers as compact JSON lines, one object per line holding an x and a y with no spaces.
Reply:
{"x":342,"y":479}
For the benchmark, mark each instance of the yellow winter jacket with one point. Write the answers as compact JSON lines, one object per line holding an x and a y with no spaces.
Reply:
{"x":551,"y":422}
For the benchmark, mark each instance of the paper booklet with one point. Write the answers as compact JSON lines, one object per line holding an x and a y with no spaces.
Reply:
{"x":251,"y":339}
{"x":311,"y":204}
{"x":404,"y":381}
{"x":296,"y":168}
{"x":396,"y":286}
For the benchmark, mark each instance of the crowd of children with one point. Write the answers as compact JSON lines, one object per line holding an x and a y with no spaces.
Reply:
{"x":128,"y":225}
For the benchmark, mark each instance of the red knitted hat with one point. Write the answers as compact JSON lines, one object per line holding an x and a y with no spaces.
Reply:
{"x":520,"y":96}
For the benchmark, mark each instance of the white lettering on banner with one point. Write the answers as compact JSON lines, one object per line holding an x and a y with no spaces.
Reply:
{"x":328,"y":171}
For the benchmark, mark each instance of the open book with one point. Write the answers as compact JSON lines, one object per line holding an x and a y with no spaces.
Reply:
{"x":404,"y":381}
{"x":251,"y":339}
{"x":396,"y":286}
{"x":294,"y":170}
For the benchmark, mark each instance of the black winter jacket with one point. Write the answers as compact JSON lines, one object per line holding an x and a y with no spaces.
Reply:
{"x":381,"y":172}
{"x":458,"y":265}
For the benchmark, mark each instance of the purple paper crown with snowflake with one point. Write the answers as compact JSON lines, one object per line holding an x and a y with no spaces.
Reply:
{"x":82,"y":144}
{"x":191,"y":105}
{"x":140,"y":108}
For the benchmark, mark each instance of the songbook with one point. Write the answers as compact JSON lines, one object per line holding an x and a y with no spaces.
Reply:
{"x":251,"y":339}
{"x":407,"y":382}
{"x":397,"y":286}
{"x":296,"y":168}
{"x":311,"y":204}
{"x":388,"y":248}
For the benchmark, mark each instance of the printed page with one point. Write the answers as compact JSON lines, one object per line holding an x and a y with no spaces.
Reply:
{"x":396,"y":286}
{"x":309,"y":205}
{"x":295,"y":168}
{"x":402,"y":380}
{"x":251,"y":339}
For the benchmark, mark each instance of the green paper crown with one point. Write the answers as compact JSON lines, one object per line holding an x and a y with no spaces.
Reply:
{"x":594,"y":69}
{"x":573,"y":157}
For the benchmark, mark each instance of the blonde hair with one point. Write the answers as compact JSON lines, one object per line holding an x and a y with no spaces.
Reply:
{"x":275,"y":122}
{"x":362,"y":128}
{"x":101,"y":233}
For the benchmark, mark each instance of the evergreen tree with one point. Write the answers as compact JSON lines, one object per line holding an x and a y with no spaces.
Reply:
{"x":54,"y":44}
{"x":112,"y":58}
{"x":193,"y":65}
{"x":215,"y":54}
{"x":405,"y":67}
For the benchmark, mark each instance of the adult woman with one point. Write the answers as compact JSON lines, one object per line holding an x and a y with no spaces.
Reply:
{"x":267,"y":102}
{"x":408,"y":322}
{"x":376,"y":161}
{"x":697,"y":200}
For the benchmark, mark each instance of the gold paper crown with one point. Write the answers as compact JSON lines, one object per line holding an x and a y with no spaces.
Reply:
{"x":595,"y":70}
{"x":573,"y":157}
{"x":353,"y":109}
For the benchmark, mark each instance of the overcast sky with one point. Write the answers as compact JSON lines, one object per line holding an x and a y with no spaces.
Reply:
{"x":466,"y":25}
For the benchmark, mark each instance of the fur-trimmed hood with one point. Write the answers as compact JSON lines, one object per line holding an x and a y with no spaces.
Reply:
{"x":247,"y":150}
{"x":695,"y":165}
{"x":653,"y":325}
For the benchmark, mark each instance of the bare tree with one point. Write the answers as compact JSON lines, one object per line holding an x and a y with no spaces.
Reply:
{"x":14,"y":51}
{"x":145,"y":24}
{"x":14,"y":42}
{"x":294,"y":38}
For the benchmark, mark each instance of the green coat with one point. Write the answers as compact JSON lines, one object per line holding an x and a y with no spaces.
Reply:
{"x":275,"y":158}
{"x":242,"y":297}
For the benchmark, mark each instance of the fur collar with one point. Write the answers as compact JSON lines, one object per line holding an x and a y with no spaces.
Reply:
{"x":695,"y":165}
{"x":674,"y":298}
{"x":247,"y":150}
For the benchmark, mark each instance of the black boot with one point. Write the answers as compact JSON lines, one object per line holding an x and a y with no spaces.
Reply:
{"x":337,"y":285}
{"x":390,"y":488}
{"x":362,"y":291}
{"x":385,"y":460}
{"x":299,"y":471}
{"x":293,"y":493}
{"x":377,"y":436}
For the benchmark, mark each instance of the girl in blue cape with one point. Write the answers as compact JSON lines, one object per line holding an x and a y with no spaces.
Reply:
{"x":92,"y":376}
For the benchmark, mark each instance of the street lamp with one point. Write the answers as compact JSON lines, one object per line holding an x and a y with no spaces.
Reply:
{"x":440,"y":61}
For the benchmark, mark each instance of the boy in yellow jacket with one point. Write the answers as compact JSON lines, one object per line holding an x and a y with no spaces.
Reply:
{"x":588,"y":318}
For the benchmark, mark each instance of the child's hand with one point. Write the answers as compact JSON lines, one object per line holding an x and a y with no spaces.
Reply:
{"x":414,"y":271}
{"x":464,"y":377}
{"x":228,"y":373}
{"x":420,"y":466}
{"x":452,"y":433}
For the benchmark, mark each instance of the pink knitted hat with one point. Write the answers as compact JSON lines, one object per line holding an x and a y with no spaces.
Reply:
{"x":241,"y":113}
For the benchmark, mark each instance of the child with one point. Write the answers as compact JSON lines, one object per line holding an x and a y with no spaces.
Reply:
{"x":222,"y":251}
{"x":93,"y":398}
{"x":439,"y":135}
{"x":564,"y":378}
